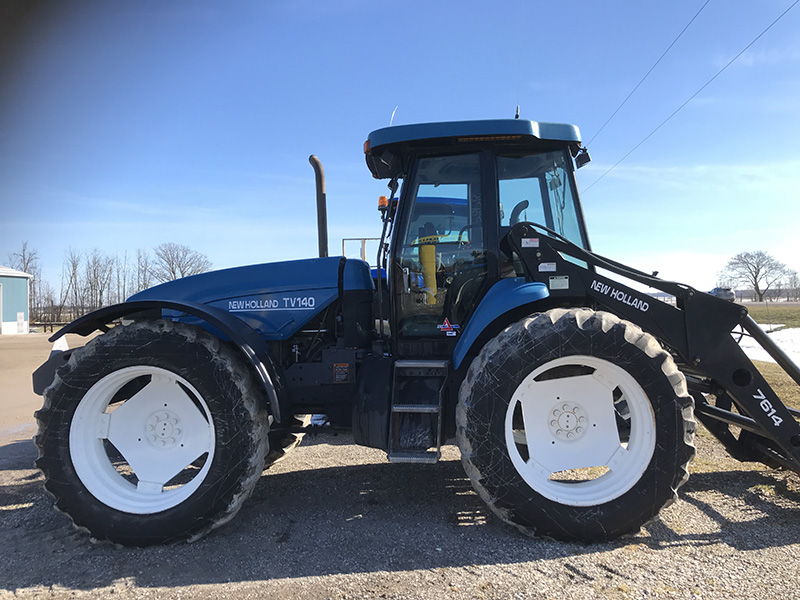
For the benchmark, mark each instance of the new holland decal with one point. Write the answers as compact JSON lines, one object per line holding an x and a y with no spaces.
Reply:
{"x":619,"y":295}
{"x":265,"y":304}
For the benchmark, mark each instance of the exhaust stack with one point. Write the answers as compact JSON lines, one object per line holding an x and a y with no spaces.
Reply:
{"x":322,"y":211}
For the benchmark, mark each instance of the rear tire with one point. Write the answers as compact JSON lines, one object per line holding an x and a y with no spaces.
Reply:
{"x":152,"y":433}
{"x":575,"y":425}
{"x":281,"y":443}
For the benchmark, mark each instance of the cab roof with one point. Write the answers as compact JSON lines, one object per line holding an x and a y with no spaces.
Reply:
{"x":387,"y":149}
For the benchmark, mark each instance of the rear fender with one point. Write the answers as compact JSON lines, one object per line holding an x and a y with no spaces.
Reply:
{"x":248,"y":341}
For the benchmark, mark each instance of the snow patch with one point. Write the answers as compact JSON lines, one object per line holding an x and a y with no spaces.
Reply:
{"x":787,"y":339}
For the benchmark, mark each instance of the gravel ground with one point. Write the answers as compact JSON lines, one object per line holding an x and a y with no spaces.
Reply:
{"x":337,"y":521}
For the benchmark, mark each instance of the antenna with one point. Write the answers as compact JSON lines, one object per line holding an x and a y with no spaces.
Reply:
{"x":516,"y":116}
{"x":391,"y":120}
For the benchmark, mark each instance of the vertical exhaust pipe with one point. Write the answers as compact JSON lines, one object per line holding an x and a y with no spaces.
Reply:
{"x":322,"y":211}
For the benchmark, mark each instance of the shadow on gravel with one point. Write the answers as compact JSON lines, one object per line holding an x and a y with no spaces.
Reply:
{"x":19,"y":454}
{"x":361,"y":518}
{"x":765,"y":514}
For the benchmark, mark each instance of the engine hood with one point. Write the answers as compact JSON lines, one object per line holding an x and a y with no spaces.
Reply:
{"x":276,"y":299}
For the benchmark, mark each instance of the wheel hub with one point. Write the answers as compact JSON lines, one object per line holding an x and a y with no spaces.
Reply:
{"x":163,"y":429}
{"x":567,"y":421}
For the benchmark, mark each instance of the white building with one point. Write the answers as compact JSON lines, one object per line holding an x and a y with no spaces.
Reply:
{"x":14,"y":301}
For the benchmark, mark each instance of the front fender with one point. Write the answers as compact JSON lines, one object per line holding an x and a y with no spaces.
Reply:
{"x":249,"y":342}
{"x":504,"y":296}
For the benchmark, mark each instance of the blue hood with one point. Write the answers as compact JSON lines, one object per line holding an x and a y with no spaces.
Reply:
{"x":276,"y":299}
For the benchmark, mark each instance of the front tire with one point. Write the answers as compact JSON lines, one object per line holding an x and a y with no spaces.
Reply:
{"x":152,"y":433}
{"x":575,"y":425}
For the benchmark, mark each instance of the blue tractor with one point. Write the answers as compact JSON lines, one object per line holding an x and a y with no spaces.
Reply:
{"x":572,"y":396}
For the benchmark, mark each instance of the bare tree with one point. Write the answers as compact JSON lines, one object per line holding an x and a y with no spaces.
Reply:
{"x":792,"y":285}
{"x":27,"y":261}
{"x":775,"y":292}
{"x":121,"y":279}
{"x":724,"y":280}
{"x":173,"y":261}
{"x":142,"y":271}
{"x":91,"y":280}
{"x":49,"y":309}
{"x":98,"y":269}
{"x":72,"y":292}
{"x":756,"y":269}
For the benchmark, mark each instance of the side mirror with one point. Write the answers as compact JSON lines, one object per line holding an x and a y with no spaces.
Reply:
{"x":582,"y":158}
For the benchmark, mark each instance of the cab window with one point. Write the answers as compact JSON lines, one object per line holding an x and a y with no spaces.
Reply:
{"x":441,"y":261}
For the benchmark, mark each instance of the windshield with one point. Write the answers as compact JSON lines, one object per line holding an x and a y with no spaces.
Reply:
{"x":537,"y":188}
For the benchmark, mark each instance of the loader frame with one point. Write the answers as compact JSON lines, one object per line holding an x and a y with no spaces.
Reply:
{"x":698,"y":330}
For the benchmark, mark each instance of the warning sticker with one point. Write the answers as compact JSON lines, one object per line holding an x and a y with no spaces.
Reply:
{"x":449,"y":329}
{"x":341,"y":373}
{"x":559,"y":282}
{"x":530,"y":242}
{"x":547,"y":267}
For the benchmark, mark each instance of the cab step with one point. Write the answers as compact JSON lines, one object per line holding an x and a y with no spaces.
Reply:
{"x":415,"y":425}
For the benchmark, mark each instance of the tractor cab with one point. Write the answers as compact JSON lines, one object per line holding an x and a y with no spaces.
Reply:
{"x":465,"y":184}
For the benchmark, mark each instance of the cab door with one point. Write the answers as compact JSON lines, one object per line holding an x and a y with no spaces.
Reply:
{"x":440,"y":263}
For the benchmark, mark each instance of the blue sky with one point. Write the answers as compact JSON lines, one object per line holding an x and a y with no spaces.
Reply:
{"x":128,"y":124}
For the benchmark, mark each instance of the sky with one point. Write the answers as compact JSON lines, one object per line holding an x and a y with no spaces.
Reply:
{"x":124,"y":125}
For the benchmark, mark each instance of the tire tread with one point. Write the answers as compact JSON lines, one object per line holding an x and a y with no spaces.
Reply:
{"x":530,"y":328}
{"x":249,"y":396}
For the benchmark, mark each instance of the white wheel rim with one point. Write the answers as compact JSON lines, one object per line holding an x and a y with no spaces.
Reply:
{"x":159,"y":432}
{"x":567,"y":428}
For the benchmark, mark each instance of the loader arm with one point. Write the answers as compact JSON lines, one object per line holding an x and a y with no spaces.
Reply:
{"x":727,"y":387}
